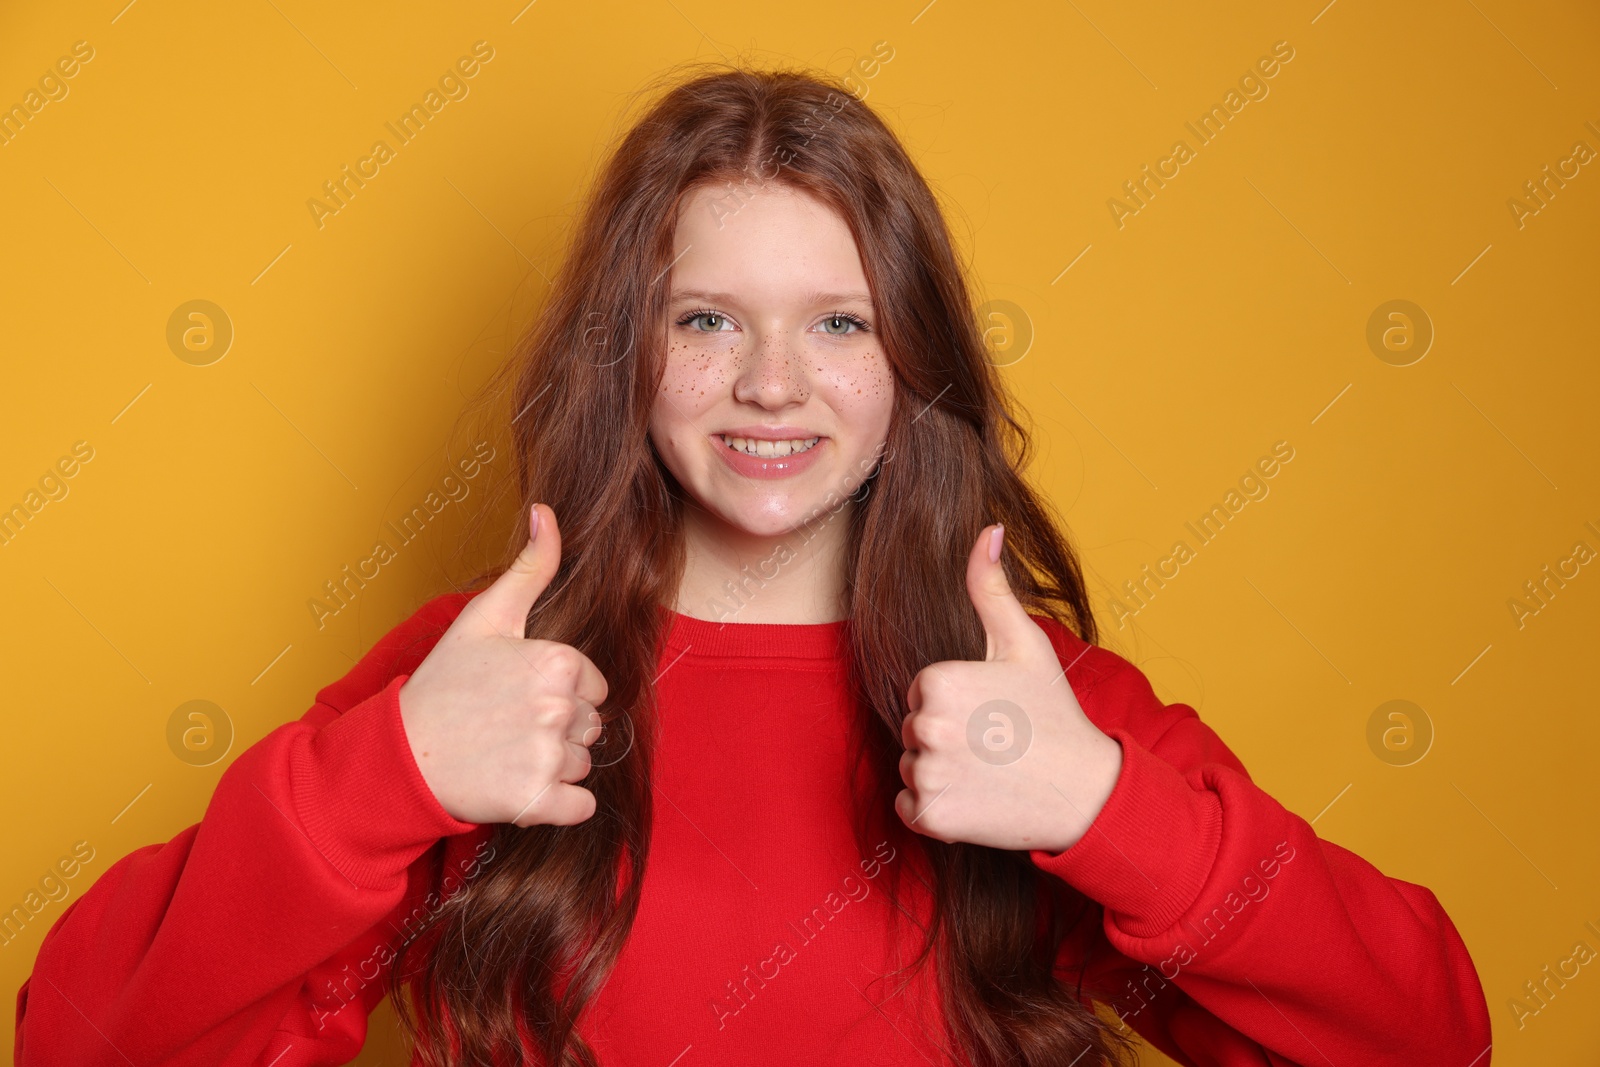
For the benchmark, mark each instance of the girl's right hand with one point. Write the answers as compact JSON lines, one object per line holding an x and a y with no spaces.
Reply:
{"x":500,"y":724}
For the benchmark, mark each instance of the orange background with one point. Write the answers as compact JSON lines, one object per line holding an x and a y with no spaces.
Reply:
{"x":1160,"y":358}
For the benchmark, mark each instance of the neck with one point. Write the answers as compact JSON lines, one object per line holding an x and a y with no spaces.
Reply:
{"x":732,"y":575}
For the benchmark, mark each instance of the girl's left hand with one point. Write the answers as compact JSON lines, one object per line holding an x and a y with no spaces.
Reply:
{"x":999,"y":752}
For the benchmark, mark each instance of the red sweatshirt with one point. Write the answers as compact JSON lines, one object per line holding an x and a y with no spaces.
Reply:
{"x":260,"y":936}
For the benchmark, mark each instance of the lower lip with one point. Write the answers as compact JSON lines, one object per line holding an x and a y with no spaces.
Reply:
{"x":766,"y":467}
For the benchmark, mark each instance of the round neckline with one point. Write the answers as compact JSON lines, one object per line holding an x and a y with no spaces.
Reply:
{"x":756,"y":640}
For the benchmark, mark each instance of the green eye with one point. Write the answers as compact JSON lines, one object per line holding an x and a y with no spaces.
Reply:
{"x":703,"y":313}
{"x":847,"y":320}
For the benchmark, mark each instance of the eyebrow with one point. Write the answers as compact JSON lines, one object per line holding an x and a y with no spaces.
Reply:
{"x":814,"y":297}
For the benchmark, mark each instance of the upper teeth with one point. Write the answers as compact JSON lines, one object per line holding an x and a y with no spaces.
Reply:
{"x":752,"y":446}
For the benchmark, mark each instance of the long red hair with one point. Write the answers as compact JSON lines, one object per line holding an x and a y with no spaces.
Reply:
{"x":516,"y":955}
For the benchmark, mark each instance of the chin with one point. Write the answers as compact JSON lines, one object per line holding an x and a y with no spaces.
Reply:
{"x":775,"y":517}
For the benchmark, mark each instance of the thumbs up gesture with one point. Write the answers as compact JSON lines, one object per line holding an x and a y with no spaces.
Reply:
{"x":501,"y":725}
{"x":999,"y":752}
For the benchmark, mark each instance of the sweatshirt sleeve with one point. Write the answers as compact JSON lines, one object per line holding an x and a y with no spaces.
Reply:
{"x":250,"y":937}
{"x":1254,"y":933}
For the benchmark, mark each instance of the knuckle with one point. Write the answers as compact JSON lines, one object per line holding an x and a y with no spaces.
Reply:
{"x":563,"y":661}
{"x":934,"y":732}
{"x":911,"y":731}
{"x":552,"y":712}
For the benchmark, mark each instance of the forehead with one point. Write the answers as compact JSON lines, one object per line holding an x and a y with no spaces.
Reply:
{"x":765,"y":242}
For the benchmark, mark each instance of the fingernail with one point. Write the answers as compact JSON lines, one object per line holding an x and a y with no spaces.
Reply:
{"x":533,"y":534}
{"x":994,"y":543}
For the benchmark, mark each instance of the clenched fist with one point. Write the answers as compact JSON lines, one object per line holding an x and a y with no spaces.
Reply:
{"x":501,"y":725}
{"x":999,"y":752}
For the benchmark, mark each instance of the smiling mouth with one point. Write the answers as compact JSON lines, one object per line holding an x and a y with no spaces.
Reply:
{"x":762,"y":449}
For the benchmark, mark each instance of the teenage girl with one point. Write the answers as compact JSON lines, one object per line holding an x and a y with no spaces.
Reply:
{"x":784,"y":737}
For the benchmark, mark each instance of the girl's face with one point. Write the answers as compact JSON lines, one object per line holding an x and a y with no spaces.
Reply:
{"x":776,"y":391}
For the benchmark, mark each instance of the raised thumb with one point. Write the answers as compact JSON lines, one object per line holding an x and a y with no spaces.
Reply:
{"x":506,"y":603}
{"x":1005,"y":621}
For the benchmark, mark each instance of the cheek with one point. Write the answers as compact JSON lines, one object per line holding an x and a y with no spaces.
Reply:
{"x":694,"y":376}
{"x":862,"y":387}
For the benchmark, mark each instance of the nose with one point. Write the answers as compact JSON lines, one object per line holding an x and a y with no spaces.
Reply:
{"x":773,"y":374}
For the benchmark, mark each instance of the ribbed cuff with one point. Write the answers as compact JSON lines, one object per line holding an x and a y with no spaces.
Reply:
{"x":361,"y":796}
{"x":1149,"y":851}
